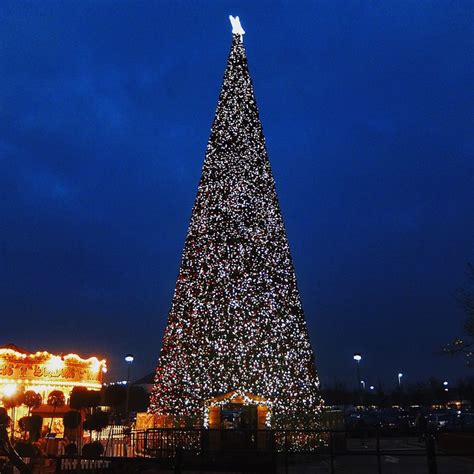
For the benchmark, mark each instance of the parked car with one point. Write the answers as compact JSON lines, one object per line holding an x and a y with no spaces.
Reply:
{"x":442,"y":421}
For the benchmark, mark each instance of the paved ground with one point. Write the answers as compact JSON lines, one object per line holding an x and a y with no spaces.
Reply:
{"x":407,"y":456}
{"x":390,"y":465}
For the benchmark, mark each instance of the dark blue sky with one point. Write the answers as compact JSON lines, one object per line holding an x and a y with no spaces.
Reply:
{"x":368,"y":111}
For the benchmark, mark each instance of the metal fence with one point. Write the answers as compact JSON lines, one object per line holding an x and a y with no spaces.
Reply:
{"x":286,"y":451}
{"x":278,"y":451}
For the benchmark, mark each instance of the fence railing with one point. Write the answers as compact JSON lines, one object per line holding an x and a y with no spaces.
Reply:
{"x":328,"y":451}
{"x":330,"y":448}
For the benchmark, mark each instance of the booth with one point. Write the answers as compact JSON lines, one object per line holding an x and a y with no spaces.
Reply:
{"x":238,"y":420}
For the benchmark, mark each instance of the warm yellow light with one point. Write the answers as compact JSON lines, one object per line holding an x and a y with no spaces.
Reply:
{"x":10,"y":389}
{"x":45,"y":371}
{"x":55,"y":363}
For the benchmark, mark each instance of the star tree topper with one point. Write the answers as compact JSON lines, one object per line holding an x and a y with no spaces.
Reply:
{"x":236,"y":26}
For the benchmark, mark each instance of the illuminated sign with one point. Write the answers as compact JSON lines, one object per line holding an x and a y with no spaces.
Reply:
{"x":45,"y":367}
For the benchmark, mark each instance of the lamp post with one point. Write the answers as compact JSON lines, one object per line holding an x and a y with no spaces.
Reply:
{"x":400,"y":375}
{"x":128,"y":359}
{"x":358,"y":357}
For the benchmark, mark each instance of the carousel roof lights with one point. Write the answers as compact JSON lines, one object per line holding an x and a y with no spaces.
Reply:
{"x":54,"y":360}
{"x":42,"y":371}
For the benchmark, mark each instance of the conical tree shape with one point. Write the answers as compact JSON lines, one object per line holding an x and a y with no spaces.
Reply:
{"x":236,"y":321}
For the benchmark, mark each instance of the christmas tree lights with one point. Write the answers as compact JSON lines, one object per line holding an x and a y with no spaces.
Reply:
{"x":236,"y":321}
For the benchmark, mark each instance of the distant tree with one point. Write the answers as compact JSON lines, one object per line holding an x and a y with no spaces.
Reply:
{"x":338,"y":394}
{"x":382,"y":399}
{"x":139,"y":399}
{"x":466,"y":390}
{"x":418,"y":394}
{"x":32,"y":400}
{"x":465,"y":345}
{"x":31,"y":424}
{"x":72,"y":420}
{"x":22,"y":423}
{"x":12,"y":401}
{"x":56,"y":399}
{"x":96,"y":421}
{"x":115,"y":395}
{"x":93,"y":398}
{"x":78,"y":398}
{"x":437,"y":392}
{"x":83,"y":398}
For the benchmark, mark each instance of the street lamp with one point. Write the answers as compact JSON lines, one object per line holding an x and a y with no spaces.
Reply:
{"x":358,"y":357}
{"x":363,"y":384}
{"x":400,"y":375}
{"x":128,"y":359}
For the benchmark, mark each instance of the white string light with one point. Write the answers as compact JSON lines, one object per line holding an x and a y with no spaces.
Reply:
{"x":236,"y":321}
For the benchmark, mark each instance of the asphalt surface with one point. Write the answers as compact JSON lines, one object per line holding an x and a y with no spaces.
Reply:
{"x":405,"y":455}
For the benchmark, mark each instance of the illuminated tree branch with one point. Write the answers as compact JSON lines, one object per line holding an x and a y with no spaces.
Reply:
{"x":236,"y":321}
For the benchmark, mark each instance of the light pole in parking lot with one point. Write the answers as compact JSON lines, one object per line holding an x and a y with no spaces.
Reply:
{"x":358,"y":357}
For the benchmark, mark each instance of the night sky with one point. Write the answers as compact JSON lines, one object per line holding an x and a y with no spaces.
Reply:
{"x":368,"y":112}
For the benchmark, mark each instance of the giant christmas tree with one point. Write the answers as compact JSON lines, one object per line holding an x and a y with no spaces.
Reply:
{"x":236,"y":321}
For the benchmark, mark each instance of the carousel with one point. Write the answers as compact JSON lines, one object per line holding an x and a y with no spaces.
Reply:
{"x":30,"y":381}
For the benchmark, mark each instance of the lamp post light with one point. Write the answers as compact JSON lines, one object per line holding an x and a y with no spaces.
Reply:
{"x":358,"y":357}
{"x":128,"y":359}
{"x":363,"y":384}
{"x":400,"y":375}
